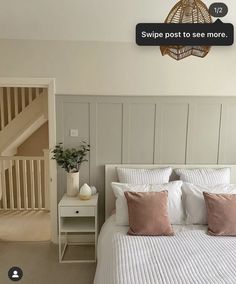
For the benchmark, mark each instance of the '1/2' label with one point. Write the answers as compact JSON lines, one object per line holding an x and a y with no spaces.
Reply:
{"x":218,"y":10}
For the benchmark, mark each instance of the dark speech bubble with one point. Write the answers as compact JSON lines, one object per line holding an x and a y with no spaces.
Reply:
{"x":217,"y":33}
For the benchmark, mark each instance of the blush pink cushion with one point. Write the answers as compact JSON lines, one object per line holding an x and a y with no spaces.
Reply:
{"x":148,"y":213}
{"x":221,"y":214}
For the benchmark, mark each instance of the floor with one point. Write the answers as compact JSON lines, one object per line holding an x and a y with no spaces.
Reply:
{"x":39,"y":262}
{"x":24,"y":226}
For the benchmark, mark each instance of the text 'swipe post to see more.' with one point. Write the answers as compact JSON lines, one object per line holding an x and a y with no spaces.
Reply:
{"x":206,"y":33}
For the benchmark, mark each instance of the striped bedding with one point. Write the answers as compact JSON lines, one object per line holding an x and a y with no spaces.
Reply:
{"x":190,"y":257}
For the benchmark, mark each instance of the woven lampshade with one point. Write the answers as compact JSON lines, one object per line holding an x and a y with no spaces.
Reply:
{"x":187,"y":11}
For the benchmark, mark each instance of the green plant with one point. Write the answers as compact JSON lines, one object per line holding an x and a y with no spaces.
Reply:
{"x":71,"y":159}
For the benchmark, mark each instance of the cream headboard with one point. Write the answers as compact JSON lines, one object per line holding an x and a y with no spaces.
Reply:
{"x":111,"y":175}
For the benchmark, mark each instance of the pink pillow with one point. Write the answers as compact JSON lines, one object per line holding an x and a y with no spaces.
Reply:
{"x":221,"y":213}
{"x":148,"y":213}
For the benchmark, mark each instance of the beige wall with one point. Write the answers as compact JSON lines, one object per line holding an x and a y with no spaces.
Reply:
{"x":35,"y":144}
{"x":115,"y":68}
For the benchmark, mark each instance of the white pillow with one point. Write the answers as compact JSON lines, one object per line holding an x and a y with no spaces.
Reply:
{"x":194,"y":202}
{"x":204,"y":176}
{"x":144,"y":176}
{"x":122,"y":216}
{"x":175,"y":207}
{"x":175,"y":203}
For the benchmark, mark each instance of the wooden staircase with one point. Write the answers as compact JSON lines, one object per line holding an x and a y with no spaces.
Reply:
{"x":23,"y":180}
{"x":22,"y":112}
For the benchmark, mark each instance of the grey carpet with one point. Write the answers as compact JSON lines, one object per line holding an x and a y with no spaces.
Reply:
{"x":39,"y":262}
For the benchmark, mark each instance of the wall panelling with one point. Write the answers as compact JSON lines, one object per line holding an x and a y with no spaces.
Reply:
{"x":174,"y":130}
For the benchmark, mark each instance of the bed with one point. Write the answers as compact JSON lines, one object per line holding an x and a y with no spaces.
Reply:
{"x":191,"y":256}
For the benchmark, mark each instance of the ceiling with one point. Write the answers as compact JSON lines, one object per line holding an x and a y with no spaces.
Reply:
{"x":83,"y":20}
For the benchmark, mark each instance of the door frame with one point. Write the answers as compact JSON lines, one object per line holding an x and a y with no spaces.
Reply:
{"x":48,"y":83}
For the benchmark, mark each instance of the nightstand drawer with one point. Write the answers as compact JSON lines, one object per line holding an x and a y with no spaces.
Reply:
{"x":77,"y":211}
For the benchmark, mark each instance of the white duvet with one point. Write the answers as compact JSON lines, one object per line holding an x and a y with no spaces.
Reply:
{"x":189,"y":257}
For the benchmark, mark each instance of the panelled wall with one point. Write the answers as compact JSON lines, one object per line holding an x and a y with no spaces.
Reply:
{"x":134,"y":130}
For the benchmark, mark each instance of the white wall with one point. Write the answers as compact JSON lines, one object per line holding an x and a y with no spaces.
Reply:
{"x":88,"y":46}
{"x":85,"y":20}
{"x":115,"y":68}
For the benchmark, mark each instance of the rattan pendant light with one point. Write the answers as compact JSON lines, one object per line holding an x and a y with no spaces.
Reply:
{"x":187,"y":11}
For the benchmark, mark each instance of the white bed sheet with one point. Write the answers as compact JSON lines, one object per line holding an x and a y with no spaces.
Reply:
{"x":190,"y":257}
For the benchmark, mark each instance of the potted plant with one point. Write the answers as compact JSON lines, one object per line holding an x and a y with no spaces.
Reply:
{"x":71,"y":159}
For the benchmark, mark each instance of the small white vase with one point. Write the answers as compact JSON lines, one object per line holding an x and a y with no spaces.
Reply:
{"x":72,"y":184}
{"x":85,"y":192}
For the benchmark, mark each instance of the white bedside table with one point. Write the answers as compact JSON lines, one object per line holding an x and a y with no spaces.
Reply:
{"x":77,"y":217}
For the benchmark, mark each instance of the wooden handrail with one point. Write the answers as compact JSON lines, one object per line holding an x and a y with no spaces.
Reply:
{"x":27,"y":158}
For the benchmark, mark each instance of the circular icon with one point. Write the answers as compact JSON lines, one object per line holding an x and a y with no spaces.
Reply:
{"x":218,"y":10}
{"x":15,"y":273}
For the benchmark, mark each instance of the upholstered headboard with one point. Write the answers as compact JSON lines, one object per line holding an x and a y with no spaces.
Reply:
{"x":111,"y":175}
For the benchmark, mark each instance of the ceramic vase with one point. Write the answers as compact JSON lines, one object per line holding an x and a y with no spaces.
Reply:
{"x":72,"y":184}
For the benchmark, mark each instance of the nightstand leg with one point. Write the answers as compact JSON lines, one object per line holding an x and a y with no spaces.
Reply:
{"x":62,"y":246}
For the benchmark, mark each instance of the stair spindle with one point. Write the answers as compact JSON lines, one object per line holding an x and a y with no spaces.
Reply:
{"x":8,"y":105}
{"x":16,"y":109}
{"x":30,"y":95}
{"x":18,"y":196}
{"x":23,"y":98}
{"x":10,"y":177}
{"x":3,"y":184}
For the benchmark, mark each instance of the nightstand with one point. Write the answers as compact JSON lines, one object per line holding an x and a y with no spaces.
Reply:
{"x":78,"y":220}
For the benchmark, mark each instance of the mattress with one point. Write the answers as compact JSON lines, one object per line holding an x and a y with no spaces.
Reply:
{"x":189,"y":257}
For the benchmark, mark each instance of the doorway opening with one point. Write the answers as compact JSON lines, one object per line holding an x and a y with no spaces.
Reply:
{"x":27,"y":177}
